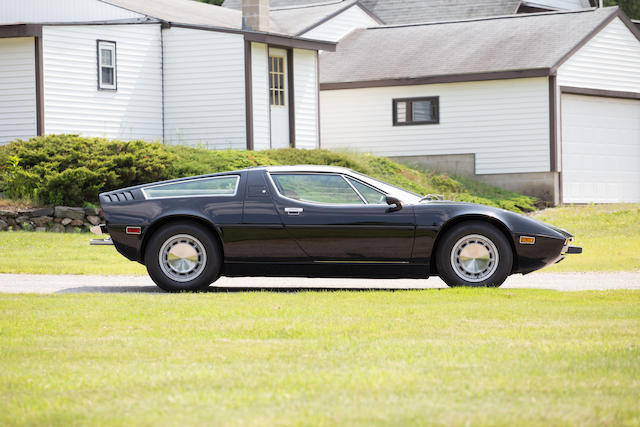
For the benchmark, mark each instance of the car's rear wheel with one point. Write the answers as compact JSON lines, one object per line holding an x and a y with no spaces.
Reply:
{"x":183,"y":256}
{"x":474,"y":253}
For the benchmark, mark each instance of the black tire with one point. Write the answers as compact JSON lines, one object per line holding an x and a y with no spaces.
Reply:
{"x":193,"y":237}
{"x":476,"y":236}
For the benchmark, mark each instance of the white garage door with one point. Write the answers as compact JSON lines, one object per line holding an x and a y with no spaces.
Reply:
{"x":600,"y":149}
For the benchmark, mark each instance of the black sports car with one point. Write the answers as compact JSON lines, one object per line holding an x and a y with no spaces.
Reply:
{"x":318,"y":221}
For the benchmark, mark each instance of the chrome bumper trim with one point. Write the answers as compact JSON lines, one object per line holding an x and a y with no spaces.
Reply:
{"x":101,"y":242}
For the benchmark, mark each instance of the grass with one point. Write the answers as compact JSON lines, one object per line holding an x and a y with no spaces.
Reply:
{"x":452,"y":357}
{"x":609,"y":235}
{"x":55,"y":253}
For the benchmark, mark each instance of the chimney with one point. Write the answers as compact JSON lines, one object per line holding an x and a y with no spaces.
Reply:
{"x":255,"y":15}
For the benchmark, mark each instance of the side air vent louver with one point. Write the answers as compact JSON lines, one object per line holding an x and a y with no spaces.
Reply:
{"x":119,"y":197}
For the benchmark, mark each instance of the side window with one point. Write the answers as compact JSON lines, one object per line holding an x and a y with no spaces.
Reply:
{"x":372,"y":196}
{"x":316,"y":188}
{"x":416,"y":111}
{"x":107,"y":74}
{"x":218,"y":186}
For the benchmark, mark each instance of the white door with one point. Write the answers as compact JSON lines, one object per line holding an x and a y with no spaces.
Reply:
{"x":600,"y":149}
{"x":279,"y":98}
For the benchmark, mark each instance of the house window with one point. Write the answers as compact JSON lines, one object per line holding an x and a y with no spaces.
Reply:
{"x":416,"y":111}
{"x":107,"y":65}
{"x":276,"y":80}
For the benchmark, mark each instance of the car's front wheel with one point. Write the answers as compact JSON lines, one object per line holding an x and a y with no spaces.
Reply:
{"x":183,"y":256}
{"x":474,"y":253}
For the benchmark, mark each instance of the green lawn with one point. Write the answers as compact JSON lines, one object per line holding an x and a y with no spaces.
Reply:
{"x":450,"y":357}
{"x":609,"y":235}
{"x":54,"y":253}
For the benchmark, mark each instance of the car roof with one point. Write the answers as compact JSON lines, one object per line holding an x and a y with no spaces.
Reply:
{"x":306,"y":168}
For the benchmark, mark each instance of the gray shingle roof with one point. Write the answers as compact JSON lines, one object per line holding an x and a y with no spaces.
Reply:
{"x":184,"y":12}
{"x":237,"y":4}
{"x":285,"y":20}
{"x":408,"y":11}
{"x":520,"y":42}
{"x":296,"y":19}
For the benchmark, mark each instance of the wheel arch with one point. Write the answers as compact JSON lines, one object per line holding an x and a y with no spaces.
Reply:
{"x":453,"y":222}
{"x":160,"y":222}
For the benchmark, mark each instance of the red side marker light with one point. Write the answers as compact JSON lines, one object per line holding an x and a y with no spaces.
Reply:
{"x":133,"y":230}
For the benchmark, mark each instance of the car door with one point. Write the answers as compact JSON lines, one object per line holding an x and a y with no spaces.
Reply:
{"x":260,"y":236}
{"x":334,"y":222}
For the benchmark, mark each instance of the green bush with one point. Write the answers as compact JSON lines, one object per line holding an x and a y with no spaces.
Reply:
{"x":73,"y":170}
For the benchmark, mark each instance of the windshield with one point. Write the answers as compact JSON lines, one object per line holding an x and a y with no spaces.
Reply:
{"x":406,"y":197}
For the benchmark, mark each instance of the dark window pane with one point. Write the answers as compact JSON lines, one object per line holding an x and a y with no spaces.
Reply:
{"x":202,"y":187}
{"x":107,"y":76}
{"x":318,"y":188}
{"x":372,"y":196}
{"x":422,"y":111}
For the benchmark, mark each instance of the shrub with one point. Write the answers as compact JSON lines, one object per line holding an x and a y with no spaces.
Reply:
{"x":73,"y":170}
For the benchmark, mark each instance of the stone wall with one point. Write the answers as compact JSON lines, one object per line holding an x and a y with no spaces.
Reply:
{"x":59,"y":219}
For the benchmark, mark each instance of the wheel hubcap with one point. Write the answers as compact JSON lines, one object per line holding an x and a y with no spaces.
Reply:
{"x":182,"y":258}
{"x":474,"y":258}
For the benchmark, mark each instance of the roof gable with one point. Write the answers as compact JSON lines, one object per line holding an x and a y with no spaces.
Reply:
{"x":408,"y":11}
{"x":508,"y":44}
{"x":184,"y":12}
{"x":298,"y":20}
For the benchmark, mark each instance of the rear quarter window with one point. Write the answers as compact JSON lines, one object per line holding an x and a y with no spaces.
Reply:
{"x":204,"y":187}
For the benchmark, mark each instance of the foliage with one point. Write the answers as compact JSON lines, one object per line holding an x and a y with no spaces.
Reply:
{"x":68,"y":169}
{"x":630,"y":7}
{"x":454,"y":357}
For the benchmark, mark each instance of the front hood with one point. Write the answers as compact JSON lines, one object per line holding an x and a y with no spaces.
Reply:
{"x":517,"y":223}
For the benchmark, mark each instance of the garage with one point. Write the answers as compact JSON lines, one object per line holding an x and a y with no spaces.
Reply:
{"x":600,"y":149}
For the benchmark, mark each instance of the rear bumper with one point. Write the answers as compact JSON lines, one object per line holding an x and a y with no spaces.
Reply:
{"x":100,"y":229}
{"x":101,"y":242}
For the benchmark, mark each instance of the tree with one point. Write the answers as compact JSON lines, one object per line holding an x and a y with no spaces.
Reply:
{"x":630,"y":7}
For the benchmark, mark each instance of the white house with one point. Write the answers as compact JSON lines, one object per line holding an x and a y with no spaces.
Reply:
{"x":546,"y":104}
{"x":167,"y":70}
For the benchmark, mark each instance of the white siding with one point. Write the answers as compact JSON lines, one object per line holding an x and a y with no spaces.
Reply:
{"x":341,"y":25}
{"x":31,"y":11}
{"x":72,"y":102}
{"x":17,"y":89}
{"x":204,"y":88}
{"x":505,"y":123}
{"x":260,"y":95}
{"x":611,"y":60}
{"x":306,"y":97}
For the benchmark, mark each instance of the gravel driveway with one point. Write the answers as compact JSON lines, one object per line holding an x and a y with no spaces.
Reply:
{"x":47,"y":284}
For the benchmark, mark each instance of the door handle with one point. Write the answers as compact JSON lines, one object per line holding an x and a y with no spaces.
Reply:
{"x":293,"y":211}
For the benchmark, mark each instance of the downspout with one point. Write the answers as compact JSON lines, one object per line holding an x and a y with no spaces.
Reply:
{"x":163,"y":25}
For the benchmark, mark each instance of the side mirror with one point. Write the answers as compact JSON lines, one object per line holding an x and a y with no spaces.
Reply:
{"x":395,"y":204}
